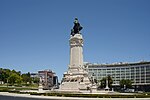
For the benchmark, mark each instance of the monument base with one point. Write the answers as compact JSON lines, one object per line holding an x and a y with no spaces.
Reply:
{"x":75,"y":82}
{"x":40,"y":88}
{"x":73,"y":87}
{"x":94,"y":89}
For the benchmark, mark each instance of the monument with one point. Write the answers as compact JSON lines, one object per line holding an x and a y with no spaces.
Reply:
{"x":76,"y":78}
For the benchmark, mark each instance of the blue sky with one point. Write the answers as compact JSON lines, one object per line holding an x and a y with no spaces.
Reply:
{"x":34,"y":34}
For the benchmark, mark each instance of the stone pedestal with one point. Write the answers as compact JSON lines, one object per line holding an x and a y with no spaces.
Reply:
{"x":76,"y":78}
{"x":40,"y":88}
{"x":94,"y":89}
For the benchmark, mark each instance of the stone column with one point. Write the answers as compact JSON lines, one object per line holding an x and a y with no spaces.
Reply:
{"x":76,"y":53}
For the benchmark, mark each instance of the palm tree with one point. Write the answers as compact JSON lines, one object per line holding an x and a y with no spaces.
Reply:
{"x":125,"y":83}
{"x":103,"y":82}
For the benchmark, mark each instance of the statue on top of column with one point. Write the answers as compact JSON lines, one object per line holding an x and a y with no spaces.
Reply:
{"x":76,"y":27}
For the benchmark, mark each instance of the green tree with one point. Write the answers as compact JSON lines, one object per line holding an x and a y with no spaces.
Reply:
{"x":4,"y":74}
{"x":125,"y":83}
{"x":103,"y":82}
{"x":26,"y":78}
{"x":14,"y":78}
{"x":36,"y":80}
{"x":19,"y":80}
{"x":18,"y":73}
{"x":7,"y":74}
{"x":110,"y":81}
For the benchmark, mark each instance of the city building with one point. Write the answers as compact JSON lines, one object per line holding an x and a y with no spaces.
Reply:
{"x":35,"y":78}
{"x":138,"y":73}
{"x":34,"y":75}
{"x":48,"y":79}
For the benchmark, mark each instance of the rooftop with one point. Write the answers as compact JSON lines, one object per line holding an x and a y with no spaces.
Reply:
{"x":119,"y":64}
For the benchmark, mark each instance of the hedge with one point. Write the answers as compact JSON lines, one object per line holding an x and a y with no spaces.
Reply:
{"x":80,"y":94}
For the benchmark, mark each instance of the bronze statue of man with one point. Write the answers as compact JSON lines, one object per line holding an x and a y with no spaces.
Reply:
{"x":76,"y":27}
